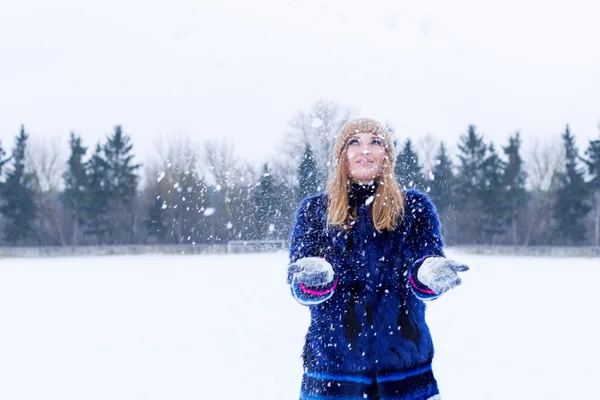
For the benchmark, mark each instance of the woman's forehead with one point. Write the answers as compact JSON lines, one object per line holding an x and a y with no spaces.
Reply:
{"x":365,"y":133}
{"x":358,"y":135}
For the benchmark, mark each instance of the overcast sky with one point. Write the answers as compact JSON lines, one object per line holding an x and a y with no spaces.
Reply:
{"x":240,"y":69}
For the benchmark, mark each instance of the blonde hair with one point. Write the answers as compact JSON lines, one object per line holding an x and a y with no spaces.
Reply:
{"x":387,"y":206}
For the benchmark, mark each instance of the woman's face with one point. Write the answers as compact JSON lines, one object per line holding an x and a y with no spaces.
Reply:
{"x":365,"y":153}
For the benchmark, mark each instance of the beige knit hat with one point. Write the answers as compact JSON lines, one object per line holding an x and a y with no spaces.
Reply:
{"x":364,"y":125}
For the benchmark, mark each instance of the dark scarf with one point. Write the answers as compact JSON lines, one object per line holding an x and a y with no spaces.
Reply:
{"x":358,"y":194}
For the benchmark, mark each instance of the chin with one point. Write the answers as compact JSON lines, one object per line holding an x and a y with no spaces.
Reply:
{"x":364,"y":178}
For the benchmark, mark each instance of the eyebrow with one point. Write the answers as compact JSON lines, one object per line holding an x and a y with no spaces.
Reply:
{"x":357,"y":137}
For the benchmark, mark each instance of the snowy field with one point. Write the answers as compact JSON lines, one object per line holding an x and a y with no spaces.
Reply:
{"x":226,"y":327}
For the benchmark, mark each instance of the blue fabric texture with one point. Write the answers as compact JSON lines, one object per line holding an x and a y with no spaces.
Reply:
{"x":373,"y":324}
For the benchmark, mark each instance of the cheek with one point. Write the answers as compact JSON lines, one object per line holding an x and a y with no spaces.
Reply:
{"x":351,"y":153}
{"x":349,"y":156}
{"x":379,"y":157}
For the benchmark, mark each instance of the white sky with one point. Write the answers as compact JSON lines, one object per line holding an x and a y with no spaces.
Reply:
{"x":240,"y":69}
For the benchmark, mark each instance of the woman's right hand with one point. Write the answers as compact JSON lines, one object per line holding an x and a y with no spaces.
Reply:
{"x":312,"y":271}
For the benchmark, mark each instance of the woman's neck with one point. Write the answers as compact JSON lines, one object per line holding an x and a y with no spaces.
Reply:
{"x":359,"y":193}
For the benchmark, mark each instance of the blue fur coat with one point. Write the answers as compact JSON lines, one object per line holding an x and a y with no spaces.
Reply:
{"x":373,"y":320}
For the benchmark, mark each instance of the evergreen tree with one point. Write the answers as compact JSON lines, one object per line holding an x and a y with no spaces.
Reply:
{"x":122,"y":176}
{"x":308,"y":174}
{"x":443,"y":183}
{"x":18,"y":195}
{"x":514,"y":179}
{"x":493,"y":197}
{"x":122,"y":181}
{"x":156,"y":223}
{"x":75,"y":194}
{"x":408,"y":169}
{"x":470,"y":183}
{"x":593,"y":168}
{"x":571,"y":206}
{"x":181,"y":209}
{"x":265,"y":203}
{"x":96,"y":209}
{"x":3,"y":159}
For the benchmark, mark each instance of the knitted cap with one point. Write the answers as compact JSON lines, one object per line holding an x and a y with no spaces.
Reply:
{"x":363,"y":125}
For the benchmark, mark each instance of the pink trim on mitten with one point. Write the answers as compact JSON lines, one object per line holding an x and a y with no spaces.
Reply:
{"x":317,"y":293}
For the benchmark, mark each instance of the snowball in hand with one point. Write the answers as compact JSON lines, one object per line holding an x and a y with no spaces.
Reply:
{"x":440,"y":274}
{"x":312,"y":271}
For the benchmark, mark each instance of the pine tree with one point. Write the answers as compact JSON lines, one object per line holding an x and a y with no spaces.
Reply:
{"x":593,"y":168}
{"x":75,"y":194}
{"x":494,"y":197}
{"x":308,"y":175}
{"x":442,"y":182}
{"x":122,"y":181}
{"x":18,"y":195}
{"x":265,"y":203}
{"x":571,"y":206}
{"x":156,"y":223}
{"x":3,"y":159}
{"x":470,"y":181}
{"x":408,"y":169}
{"x":96,"y":209}
{"x":514,"y":179}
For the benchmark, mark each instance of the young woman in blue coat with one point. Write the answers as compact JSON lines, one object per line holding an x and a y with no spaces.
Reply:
{"x":364,"y":257}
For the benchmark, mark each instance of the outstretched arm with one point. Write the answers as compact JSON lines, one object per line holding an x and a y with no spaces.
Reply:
{"x":430,"y":274}
{"x":310,"y":276}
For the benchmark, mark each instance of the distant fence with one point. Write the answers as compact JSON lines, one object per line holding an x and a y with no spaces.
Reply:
{"x":106,"y":250}
{"x":250,"y":246}
{"x":254,"y":246}
{"x":534,"y":251}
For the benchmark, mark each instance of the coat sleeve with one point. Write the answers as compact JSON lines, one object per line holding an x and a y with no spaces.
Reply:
{"x":424,"y":240}
{"x":307,"y":240}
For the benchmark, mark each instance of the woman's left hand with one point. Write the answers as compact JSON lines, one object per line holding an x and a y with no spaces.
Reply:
{"x":440,"y":274}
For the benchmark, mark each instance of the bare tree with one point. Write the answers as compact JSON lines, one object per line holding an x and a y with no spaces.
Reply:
{"x":545,"y":164}
{"x":233,"y":180}
{"x":46,"y":162}
{"x":427,"y":147}
{"x":317,"y":127}
{"x":175,"y":190}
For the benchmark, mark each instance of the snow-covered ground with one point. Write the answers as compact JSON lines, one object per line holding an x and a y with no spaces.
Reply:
{"x":226,"y":327}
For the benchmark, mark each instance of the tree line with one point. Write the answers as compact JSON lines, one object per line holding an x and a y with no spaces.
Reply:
{"x":207,"y":194}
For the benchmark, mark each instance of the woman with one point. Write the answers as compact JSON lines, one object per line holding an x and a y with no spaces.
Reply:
{"x":364,"y":256}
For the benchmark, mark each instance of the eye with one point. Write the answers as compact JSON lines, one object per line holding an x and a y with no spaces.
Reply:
{"x":353,"y":142}
{"x":377,"y":142}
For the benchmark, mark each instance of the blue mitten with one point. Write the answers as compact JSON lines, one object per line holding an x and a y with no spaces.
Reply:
{"x":440,"y":274}
{"x":312,"y":271}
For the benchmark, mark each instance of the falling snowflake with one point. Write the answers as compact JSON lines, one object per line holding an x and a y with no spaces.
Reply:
{"x":317,"y":122}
